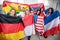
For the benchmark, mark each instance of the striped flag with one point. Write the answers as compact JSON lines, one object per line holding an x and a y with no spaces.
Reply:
{"x":29,"y":25}
{"x":51,"y":24}
{"x":11,"y":28}
{"x":39,"y":25}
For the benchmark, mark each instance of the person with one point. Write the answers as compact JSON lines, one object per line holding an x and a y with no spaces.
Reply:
{"x":13,"y":13}
{"x":26,"y":14}
{"x":50,"y":11}
{"x":28,"y":20}
{"x":39,"y":17}
{"x":39,"y":12}
{"x":21,"y":11}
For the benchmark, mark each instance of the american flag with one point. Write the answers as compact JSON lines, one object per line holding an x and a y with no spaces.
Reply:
{"x":40,"y":24}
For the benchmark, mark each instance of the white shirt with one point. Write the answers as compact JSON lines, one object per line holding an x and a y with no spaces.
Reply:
{"x":22,"y":14}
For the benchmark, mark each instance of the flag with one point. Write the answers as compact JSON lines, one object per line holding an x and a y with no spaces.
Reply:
{"x":7,"y":6}
{"x":39,"y":25}
{"x":29,"y":25}
{"x":46,"y":11}
{"x":11,"y":28}
{"x":51,"y":24}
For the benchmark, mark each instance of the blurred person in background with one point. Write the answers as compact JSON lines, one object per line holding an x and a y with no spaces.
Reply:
{"x":21,"y":11}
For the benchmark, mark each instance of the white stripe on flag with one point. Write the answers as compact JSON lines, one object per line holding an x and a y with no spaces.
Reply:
{"x":29,"y":30}
{"x":39,"y":28}
{"x":38,"y":25}
{"x":40,"y":17}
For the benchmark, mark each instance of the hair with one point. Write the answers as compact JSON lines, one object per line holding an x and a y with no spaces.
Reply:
{"x":39,"y":12}
{"x":52,"y":10}
{"x":14,"y":10}
{"x":40,"y":9}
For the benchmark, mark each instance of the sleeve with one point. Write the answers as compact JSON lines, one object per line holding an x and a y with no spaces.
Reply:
{"x":35,"y":18}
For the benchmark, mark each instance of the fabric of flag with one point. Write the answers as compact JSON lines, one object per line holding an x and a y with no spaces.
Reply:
{"x":51,"y":24}
{"x":35,"y":18}
{"x":34,"y":7}
{"x":39,"y":25}
{"x":29,"y":25}
{"x":11,"y":28}
{"x":7,"y":6}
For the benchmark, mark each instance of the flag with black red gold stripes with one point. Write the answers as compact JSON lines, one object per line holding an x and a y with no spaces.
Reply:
{"x":11,"y":28}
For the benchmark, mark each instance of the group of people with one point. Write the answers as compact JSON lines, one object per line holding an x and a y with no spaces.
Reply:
{"x":38,"y":15}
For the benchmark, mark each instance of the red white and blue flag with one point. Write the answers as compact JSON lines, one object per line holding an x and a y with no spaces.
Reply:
{"x":51,"y":24}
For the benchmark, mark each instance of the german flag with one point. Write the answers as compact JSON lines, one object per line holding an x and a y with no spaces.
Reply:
{"x":11,"y":28}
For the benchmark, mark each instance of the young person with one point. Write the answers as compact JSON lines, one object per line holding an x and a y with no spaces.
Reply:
{"x":21,"y":11}
{"x":39,"y":17}
{"x":26,"y":14}
{"x":29,"y":24}
{"x":50,"y":11}
{"x":13,"y":13}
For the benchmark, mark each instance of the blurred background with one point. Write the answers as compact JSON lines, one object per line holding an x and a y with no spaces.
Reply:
{"x":47,"y":3}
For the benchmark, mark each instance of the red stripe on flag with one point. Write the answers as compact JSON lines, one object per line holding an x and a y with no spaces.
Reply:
{"x":52,"y":31}
{"x":28,"y":20}
{"x":11,"y":28}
